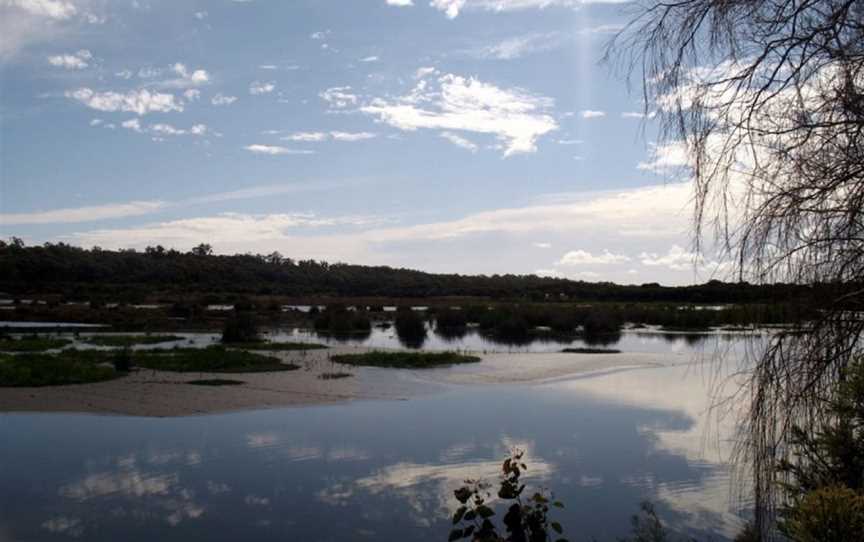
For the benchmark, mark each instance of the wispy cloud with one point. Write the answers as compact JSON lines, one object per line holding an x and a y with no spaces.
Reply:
{"x":83,"y":214}
{"x":338,"y":97}
{"x":256,"y":88}
{"x":74,"y":61}
{"x":459,"y":141}
{"x":221,"y":99}
{"x":592,"y":114}
{"x":275,"y":150}
{"x":140,"y":101}
{"x":452,"y":8}
{"x":582,"y":257}
{"x":520,"y":46}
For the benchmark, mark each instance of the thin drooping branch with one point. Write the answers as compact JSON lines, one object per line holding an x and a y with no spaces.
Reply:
{"x":766,"y":97}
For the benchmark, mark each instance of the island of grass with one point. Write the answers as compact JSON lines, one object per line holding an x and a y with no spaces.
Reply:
{"x":590,"y":351}
{"x":275,"y":346}
{"x":129,"y":340}
{"x":68,"y":367}
{"x":31,"y":344}
{"x":405,"y":360}
{"x":214,"y":359}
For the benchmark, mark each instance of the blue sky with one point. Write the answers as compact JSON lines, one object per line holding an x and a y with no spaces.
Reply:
{"x":470,"y":136}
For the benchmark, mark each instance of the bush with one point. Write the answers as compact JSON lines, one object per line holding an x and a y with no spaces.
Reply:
{"x":240,"y":328}
{"x":411,"y":328}
{"x":832,"y":514}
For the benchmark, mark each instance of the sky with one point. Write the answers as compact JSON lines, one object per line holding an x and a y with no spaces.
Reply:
{"x":457,"y":136}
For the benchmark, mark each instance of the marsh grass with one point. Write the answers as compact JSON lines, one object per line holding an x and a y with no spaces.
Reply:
{"x":214,"y":359}
{"x":31,"y":344}
{"x":412,"y":360}
{"x":54,"y":369}
{"x":129,"y":340}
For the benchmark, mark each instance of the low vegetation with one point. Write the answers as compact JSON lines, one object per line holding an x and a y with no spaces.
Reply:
{"x":130,"y":340}
{"x":215,"y":359}
{"x":70,"y":367}
{"x":240,"y":328}
{"x":31,"y":344}
{"x":412,"y":360}
{"x":340,"y":321}
{"x":334,"y":376}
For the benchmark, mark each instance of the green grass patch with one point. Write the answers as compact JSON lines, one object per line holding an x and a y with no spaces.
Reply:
{"x":130,"y":340}
{"x":276,"y":346}
{"x":412,"y":360}
{"x":53,"y":369}
{"x":31,"y":344}
{"x":590,"y":351}
{"x":216,"y":382}
{"x":334,"y":376}
{"x":214,"y":359}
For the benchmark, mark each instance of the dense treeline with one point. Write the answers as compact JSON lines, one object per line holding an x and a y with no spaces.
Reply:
{"x":130,"y":275}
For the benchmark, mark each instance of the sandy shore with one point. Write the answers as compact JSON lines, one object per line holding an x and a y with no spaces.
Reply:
{"x":160,"y":394}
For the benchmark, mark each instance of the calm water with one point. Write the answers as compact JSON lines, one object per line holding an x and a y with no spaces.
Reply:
{"x":373,"y":470}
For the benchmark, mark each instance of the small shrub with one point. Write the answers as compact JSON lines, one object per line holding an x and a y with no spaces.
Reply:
{"x":240,"y":328}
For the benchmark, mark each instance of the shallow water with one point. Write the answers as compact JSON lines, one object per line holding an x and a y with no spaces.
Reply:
{"x":377,"y":470}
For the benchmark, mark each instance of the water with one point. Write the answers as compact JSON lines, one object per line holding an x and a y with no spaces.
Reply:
{"x":376,"y":470}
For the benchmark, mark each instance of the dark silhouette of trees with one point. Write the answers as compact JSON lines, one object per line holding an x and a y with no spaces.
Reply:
{"x":766,"y":100}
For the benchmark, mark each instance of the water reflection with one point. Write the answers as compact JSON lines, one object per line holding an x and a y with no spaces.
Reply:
{"x":386,"y":468}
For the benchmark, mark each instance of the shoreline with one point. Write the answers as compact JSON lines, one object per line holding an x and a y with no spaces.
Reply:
{"x":150,"y":393}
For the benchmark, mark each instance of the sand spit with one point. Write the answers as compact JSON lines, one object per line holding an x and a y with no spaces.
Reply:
{"x":161,"y":394}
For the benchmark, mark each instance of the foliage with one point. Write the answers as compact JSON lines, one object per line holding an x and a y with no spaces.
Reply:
{"x":411,"y":360}
{"x":526,"y":519}
{"x":52,"y":370}
{"x":410,"y":328}
{"x":339,"y":320}
{"x":128,"y":275}
{"x":130,"y":340}
{"x":450,"y":319}
{"x":215,"y":359}
{"x":830,"y":514}
{"x":240,"y":328}
{"x":31,"y":344}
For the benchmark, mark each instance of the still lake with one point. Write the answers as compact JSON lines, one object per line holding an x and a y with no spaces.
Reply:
{"x":383,"y":470}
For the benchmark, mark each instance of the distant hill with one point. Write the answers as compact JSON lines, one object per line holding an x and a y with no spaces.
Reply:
{"x":77,"y":272}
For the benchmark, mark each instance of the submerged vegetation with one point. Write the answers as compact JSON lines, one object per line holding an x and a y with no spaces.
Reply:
{"x":412,"y":360}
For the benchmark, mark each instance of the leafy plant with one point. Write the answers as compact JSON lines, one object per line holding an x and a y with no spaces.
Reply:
{"x":526,"y":519}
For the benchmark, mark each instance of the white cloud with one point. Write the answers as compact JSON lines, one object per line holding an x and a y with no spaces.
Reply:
{"x":221,"y":99}
{"x":305,"y":136}
{"x":352,"y":136}
{"x":186,"y":78}
{"x":543,"y":245}
{"x":95,"y":122}
{"x":149,"y":72}
{"x":676,"y":259}
{"x":140,"y":101}
{"x":267,"y":67}
{"x":582,"y":257}
{"x":338,"y":97}
{"x":162,"y":129}
{"x":132,"y":124}
{"x":315,"y":137}
{"x":592,"y":114}
{"x":257,"y":88}
{"x":74,"y":61}
{"x":570,"y":141}
{"x":274,"y":150}
{"x":52,"y":9}
{"x":452,"y":102}
{"x":400,"y":3}
{"x":632,"y":115}
{"x":83,"y":214}
{"x":452,"y":8}
{"x":459,"y":141}
{"x":372,"y":58}
{"x":192,"y":94}
{"x":549,"y":273}
{"x":320,"y":35}
{"x":200,"y":15}
{"x":124,"y":74}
